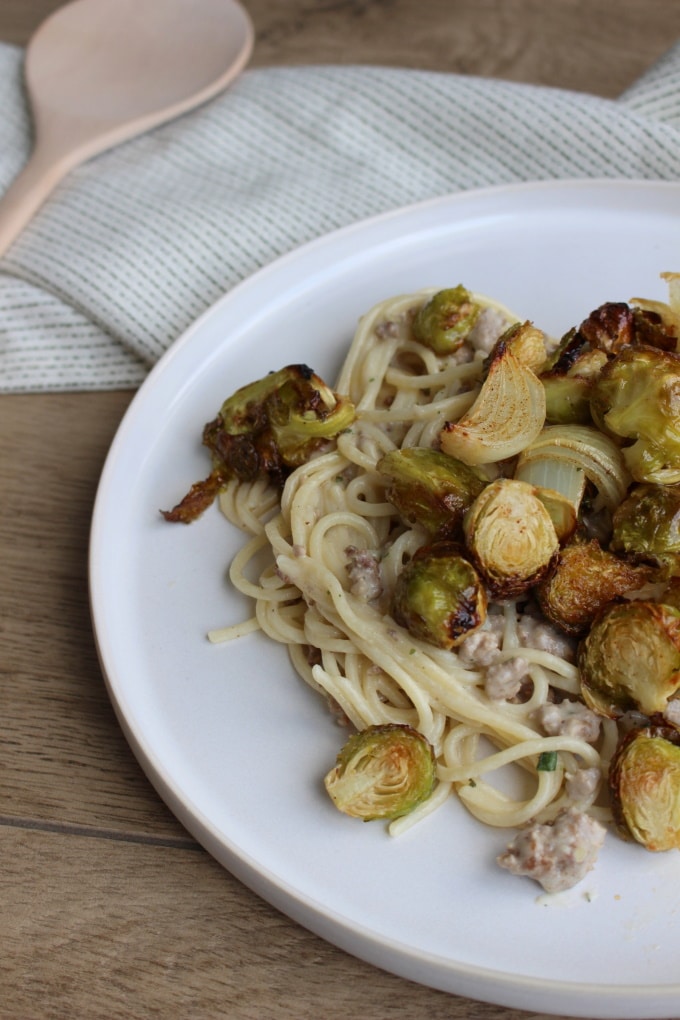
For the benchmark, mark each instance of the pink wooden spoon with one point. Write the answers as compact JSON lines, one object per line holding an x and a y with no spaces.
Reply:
{"x":101,"y":71}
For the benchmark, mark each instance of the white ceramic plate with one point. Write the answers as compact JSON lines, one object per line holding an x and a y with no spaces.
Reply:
{"x":237,"y":745}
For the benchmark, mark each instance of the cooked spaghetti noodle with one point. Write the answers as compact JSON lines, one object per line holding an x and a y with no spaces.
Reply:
{"x":343,"y":642}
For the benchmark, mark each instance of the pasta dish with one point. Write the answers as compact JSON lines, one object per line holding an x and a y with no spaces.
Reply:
{"x":413,"y":558}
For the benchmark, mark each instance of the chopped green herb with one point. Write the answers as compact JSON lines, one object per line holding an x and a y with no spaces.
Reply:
{"x":547,"y":762}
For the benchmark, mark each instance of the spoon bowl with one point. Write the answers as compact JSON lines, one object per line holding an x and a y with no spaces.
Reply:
{"x":99,"y":72}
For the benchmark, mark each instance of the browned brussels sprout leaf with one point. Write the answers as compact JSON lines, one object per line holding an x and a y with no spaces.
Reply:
{"x":511,"y":537}
{"x":444,"y":322}
{"x":382,"y":772}
{"x":527,"y":343}
{"x":567,"y":399}
{"x":438,"y":596}
{"x":637,"y":397}
{"x":430,"y":488}
{"x":644,"y":780}
{"x":266,"y":429}
{"x":584,"y":581}
{"x":615,"y":325}
{"x":630,"y":660}
{"x":647,"y":525}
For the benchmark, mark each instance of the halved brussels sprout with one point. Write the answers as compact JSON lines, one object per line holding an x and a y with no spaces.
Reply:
{"x":630,"y":660}
{"x":615,"y":325}
{"x":585,"y":580}
{"x":443,"y":322}
{"x":567,"y":399}
{"x":511,"y":537}
{"x":266,"y":429}
{"x":382,"y":772}
{"x":438,"y":596}
{"x":647,"y":525}
{"x":429,"y":488}
{"x":644,"y":779}
{"x":637,"y":397}
{"x":527,"y":343}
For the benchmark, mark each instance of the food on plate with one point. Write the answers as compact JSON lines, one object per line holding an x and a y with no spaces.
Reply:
{"x":630,"y":659}
{"x":443,"y":322}
{"x":508,"y":413}
{"x":429,"y":488}
{"x":511,"y":537}
{"x":266,"y":429}
{"x":585,"y":580}
{"x":438,"y":596}
{"x":382,"y":772}
{"x":469,"y":547}
{"x":636,"y":397}
{"x":645,"y":785}
{"x":646,"y":525}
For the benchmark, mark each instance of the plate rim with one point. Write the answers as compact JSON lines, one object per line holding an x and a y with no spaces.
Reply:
{"x":296,"y":904}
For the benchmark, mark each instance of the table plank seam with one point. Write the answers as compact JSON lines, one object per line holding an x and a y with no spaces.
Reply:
{"x":98,"y":832}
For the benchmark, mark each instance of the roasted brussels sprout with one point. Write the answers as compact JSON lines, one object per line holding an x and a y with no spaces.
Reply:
{"x":567,"y":399}
{"x":637,"y":396}
{"x":584,"y":581}
{"x":443,"y":322}
{"x":647,"y":525}
{"x":511,"y":537}
{"x":382,"y":772}
{"x":667,"y":313}
{"x":630,"y":660}
{"x":266,"y":428}
{"x":644,"y":779}
{"x":526,"y":342}
{"x":438,"y":596}
{"x":430,"y":488}
{"x":583,"y":352}
{"x":615,"y":325}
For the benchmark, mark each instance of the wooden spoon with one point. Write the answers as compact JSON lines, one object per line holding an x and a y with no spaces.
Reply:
{"x":101,"y":71}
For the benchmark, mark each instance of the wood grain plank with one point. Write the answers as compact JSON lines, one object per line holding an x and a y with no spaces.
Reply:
{"x":598,"y":46}
{"x":63,"y":757}
{"x":113,"y":931}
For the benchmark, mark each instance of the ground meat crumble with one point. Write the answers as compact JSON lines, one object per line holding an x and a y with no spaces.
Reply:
{"x":363,"y":570}
{"x":557,"y":855}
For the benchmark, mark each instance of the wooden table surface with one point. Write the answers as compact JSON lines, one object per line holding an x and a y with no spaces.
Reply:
{"x":108,"y":908}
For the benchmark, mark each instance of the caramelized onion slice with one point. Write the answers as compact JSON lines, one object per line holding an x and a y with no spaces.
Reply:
{"x":507,"y":415}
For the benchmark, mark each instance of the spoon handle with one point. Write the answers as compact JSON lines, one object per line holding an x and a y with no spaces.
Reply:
{"x":26,"y":194}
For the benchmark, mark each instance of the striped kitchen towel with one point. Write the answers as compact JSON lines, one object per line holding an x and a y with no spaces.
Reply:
{"x":136,"y":243}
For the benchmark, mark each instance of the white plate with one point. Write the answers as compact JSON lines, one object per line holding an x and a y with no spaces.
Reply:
{"x":237,"y":745}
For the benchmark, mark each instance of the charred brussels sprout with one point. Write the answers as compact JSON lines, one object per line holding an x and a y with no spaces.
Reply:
{"x":266,"y":429}
{"x":637,"y":396}
{"x":430,"y":488}
{"x":511,"y":537}
{"x":644,"y":779}
{"x":443,"y":322}
{"x":382,"y":772}
{"x":647,"y":525}
{"x":584,"y":581}
{"x":630,"y":660}
{"x":615,"y":325}
{"x":438,"y":596}
{"x":567,"y":399}
{"x":526,"y":342}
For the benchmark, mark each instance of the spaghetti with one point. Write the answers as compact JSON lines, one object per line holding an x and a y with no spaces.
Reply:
{"x":335,"y":622}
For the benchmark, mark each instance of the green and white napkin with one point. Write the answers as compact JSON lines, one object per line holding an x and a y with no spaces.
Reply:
{"x":136,"y":243}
